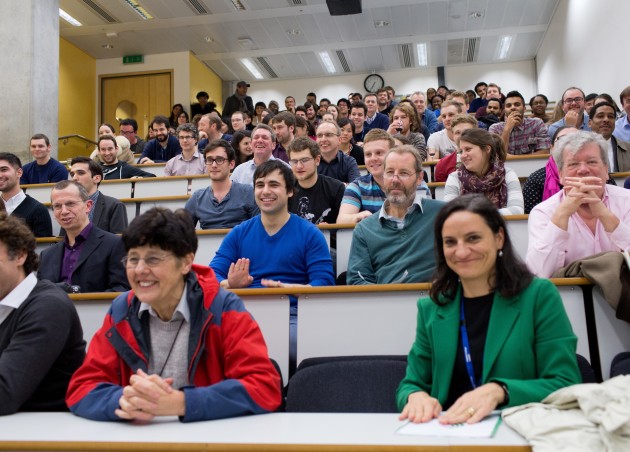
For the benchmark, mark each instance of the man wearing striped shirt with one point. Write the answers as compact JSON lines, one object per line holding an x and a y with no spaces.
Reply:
{"x":365,"y":195}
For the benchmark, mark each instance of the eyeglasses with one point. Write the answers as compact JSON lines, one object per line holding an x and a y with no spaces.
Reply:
{"x":127,"y":132}
{"x":327,"y":135}
{"x":577,"y":100}
{"x":403,"y":175}
{"x":303,"y":161}
{"x":186,"y":137}
{"x":219,"y":161}
{"x":149,"y":261}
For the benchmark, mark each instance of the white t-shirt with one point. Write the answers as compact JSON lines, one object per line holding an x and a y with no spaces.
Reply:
{"x":441,"y":143}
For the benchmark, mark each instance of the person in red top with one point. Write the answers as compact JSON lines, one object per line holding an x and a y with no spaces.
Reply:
{"x":176,"y":344}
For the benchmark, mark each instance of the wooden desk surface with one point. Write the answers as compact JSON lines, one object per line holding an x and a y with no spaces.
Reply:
{"x":276,"y":431}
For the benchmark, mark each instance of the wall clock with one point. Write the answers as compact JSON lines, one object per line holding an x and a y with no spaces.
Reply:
{"x":373,"y":83}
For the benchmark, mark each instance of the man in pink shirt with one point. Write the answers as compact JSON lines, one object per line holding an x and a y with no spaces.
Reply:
{"x":586,"y":217}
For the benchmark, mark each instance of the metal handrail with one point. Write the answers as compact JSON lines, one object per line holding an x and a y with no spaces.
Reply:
{"x":65,"y":139}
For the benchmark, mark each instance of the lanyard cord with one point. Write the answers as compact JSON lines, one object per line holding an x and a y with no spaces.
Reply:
{"x":466,"y":346}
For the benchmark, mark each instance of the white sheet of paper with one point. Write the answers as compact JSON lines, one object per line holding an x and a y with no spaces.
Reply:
{"x":484,"y":429}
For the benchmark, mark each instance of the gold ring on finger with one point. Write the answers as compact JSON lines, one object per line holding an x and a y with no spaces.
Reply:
{"x":471,"y":411}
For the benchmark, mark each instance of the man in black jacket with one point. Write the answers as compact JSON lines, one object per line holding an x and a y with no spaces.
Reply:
{"x":41,"y":340}
{"x":88,"y":259}
{"x":19,"y":204}
{"x":107,"y":213}
{"x":239,"y":101}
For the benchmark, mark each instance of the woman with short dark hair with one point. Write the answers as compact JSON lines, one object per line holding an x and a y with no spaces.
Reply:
{"x":176,"y":344}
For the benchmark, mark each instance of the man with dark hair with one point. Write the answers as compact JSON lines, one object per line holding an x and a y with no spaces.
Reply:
{"x":239,"y":101}
{"x":88,"y":259}
{"x":283,"y":125}
{"x":41,"y":340}
{"x":18,"y":203}
{"x":263,"y":144}
{"x":396,"y":244}
{"x":602,"y":121}
{"x":224,"y":204}
{"x":480,"y":88}
{"x":300,"y":110}
{"x":202,"y":106}
{"x":44,"y":169}
{"x":129,"y":130}
{"x":574,"y":114}
{"x":317,"y":197}
{"x":107,"y":213}
{"x":343,"y":108}
{"x":190,"y":161}
{"x":163,"y":147}
{"x":112,"y":168}
{"x":521,"y":135}
{"x":238,"y":120}
{"x":383,"y":101}
{"x":493,"y":113}
{"x":358,"y":112}
{"x":311,"y":113}
{"x":275,"y":248}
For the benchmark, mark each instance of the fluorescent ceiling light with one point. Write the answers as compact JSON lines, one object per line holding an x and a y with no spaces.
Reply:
{"x":328,"y":64}
{"x":238,"y":5}
{"x":421,"y":49}
{"x":68,"y":18}
{"x":251,"y":68}
{"x":139,"y":9}
{"x":504,"y":46}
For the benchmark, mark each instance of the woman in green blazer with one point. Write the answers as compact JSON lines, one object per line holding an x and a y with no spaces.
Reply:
{"x":490,"y":335}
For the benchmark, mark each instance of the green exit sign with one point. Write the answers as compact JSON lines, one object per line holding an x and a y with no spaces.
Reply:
{"x":132,"y":59}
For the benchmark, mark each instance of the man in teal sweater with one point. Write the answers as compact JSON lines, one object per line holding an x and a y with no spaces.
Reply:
{"x":395,"y":245}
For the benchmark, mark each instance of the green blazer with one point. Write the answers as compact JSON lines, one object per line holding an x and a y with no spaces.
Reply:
{"x":530,"y":346}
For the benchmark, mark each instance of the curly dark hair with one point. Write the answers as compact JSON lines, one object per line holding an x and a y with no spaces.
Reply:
{"x":172,"y":231}
{"x":511,"y":274}
{"x":18,"y":238}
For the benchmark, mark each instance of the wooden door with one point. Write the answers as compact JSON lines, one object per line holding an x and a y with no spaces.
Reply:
{"x":138,"y":96}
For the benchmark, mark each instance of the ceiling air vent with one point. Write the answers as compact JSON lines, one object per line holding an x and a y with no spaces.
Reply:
{"x":96,"y":9}
{"x":406,"y":58}
{"x":297,"y":2}
{"x":197,"y":7}
{"x":343,"y":61}
{"x":473,"y":50}
{"x":265,"y":65}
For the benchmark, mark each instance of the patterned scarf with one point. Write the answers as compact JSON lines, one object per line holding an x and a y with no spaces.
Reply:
{"x":492,"y":185}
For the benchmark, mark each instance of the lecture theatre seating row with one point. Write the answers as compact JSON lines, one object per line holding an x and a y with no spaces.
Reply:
{"x":381,"y":320}
{"x":210,"y":240}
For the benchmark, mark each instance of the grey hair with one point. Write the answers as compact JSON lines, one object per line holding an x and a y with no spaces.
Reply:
{"x":574,"y":142}
{"x":406,"y":149}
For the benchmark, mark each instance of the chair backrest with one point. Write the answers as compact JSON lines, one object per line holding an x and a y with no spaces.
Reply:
{"x":586,"y":370}
{"x":620,"y":364}
{"x":346,"y":384}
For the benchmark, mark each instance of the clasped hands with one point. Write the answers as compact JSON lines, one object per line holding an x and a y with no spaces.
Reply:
{"x":148,"y":396}
{"x":470,"y":408}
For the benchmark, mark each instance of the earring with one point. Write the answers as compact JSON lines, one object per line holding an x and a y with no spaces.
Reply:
{"x":500,"y":253}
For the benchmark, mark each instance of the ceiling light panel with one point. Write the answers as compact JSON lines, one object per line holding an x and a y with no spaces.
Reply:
{"x":68,"y":18}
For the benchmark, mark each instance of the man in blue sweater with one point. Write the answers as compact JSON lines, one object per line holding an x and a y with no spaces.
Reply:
{"x":44,"y":168}
{"x":275,"y":248}
{"x":395,"y":245}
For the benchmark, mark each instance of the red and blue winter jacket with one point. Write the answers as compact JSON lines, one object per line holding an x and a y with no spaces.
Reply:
{"x":229,"y":369}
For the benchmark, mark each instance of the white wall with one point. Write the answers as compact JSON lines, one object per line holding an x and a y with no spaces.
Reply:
{"x":585,"y":46}
{"x":178,"y":62}
{"x":514,"y":75}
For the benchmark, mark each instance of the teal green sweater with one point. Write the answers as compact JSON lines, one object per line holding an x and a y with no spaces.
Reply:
{"x":383,"y":254}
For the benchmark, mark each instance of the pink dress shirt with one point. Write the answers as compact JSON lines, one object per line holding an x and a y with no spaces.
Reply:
{"x":550,"y":248}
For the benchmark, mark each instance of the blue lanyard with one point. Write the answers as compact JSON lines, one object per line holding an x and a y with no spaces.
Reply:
{"x":466,"y":346}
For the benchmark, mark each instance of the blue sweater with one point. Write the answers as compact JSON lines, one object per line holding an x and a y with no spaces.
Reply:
{"x":296,"y":254}
{"x":154,"y":150}
{"x":53,"y":171}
